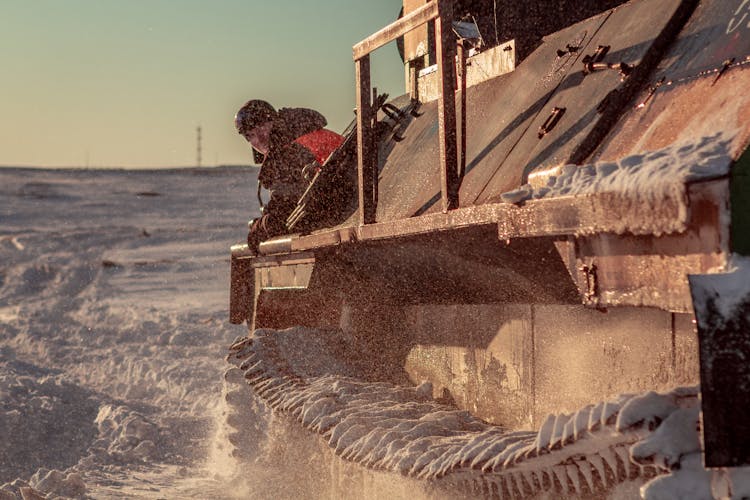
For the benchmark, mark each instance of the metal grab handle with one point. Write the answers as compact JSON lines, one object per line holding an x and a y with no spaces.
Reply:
{"x":624,"y":68}
{"x":597,"y":56}
{"x":593,"y":62}
{"x":551,"y":121}
{"x":396,"y":115}
{"x":569,"y":49}
{"x":392,"y":111}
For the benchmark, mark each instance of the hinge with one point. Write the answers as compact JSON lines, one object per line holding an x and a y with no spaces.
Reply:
{"x":592,"y":284}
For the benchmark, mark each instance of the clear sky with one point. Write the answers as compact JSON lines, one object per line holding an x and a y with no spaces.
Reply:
{"x":116,"y":83}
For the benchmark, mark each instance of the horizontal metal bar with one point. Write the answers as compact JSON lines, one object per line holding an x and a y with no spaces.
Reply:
{"x":399,"y":28}
{"x":242,"y":252}
{"x":569,"y":215}
{"x":275,"y":245}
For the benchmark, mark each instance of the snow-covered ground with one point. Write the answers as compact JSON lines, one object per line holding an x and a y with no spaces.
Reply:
{"x":113,"y":332}
{"x":114,"y":327}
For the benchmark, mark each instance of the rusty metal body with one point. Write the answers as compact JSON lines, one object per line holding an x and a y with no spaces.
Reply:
{"x":513,"y":309}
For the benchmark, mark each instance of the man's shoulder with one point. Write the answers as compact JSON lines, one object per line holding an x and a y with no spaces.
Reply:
{"x":301,"y":121}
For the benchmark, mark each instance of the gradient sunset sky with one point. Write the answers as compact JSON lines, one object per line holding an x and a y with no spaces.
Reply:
{"x":114,"y":83}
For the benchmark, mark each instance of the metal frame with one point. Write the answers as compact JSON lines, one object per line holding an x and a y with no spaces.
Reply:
{"x":440,"y":12}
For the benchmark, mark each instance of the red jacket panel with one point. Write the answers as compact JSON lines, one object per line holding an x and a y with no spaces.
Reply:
{"x":321,"y":143}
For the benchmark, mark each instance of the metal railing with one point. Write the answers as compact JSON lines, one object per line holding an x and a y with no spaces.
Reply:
{"x":440,"y":12}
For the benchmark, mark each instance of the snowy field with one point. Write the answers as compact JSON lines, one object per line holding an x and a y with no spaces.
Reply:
{"x":114,"y":327}
{"x":113,"y":333}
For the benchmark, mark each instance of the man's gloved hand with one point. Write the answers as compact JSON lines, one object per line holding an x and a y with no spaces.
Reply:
{"x":256,"y":233}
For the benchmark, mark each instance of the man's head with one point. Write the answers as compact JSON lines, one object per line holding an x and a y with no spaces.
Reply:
{"x":254,"y":121}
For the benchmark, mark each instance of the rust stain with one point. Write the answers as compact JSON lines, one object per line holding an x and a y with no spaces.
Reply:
{"x":678,"y":111}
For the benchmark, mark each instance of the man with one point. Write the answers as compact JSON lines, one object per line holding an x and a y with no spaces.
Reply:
{"x":287,"y":142}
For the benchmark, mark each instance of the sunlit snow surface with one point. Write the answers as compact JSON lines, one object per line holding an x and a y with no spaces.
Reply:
{"x":113,"y":324}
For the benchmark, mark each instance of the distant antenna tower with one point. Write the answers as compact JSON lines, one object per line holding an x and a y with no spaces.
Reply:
{"x":198,"y":147}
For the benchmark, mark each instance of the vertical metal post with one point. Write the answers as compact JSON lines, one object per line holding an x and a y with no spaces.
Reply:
{"x":365,"y":152}
{"x":532,"y":377}
{"x":446,"y":57}
{"x":373,"y":163}
{"x":673,"y":333}
{"x":413,"y":81}
{"x":461,"y":60}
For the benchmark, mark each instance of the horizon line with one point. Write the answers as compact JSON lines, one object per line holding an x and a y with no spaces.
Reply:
{"x":172,"y":167}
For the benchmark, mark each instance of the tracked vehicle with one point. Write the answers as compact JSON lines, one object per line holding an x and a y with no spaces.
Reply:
{"x":540,"y":224}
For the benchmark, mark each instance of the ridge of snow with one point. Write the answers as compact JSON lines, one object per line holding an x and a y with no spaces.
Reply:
{"x":648,"y":176}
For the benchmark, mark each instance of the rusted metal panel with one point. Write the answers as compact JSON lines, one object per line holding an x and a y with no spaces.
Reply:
{"x":416,"y":40}
{"x":718,"y":30}
{"x":584,"y":356}
{"x":648,"y":280}
{"x":615,"y":102}
{"x":504,"y":114}
{"x":479,"y":356}
{"x":410,"y":173}
{"x":617,"y":270}
{"x":498,"y":113}
{"x":687,"y":112}
{"x":501,"y":113}
{"x":693,"y":94}
{"x":514,"y":365}
{"x":630,"y":34}
{"x":480,"y":67}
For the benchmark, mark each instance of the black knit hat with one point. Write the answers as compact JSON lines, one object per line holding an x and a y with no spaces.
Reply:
{"x":253,"y":113}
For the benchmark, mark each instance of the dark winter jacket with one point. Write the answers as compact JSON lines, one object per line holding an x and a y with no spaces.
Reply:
{"x":281,"y":171}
